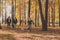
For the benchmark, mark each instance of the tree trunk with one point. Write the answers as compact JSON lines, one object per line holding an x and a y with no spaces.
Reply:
{"x":38,"y":19}
{"x":59,"y":12}
{"x":46,"y":14}
{"x":25,"y":12}
{"x":0,"y":12}
{"x":44,"y":21}
{"x":41,"y":14}
{"x":59,"y":15}
{"x":53,"y":15}
{"x":13,"y":8}
{"x":5,"y":12}
{"x":20,"y":13}
{"x":35,"y":13}
{"x":29,"y":10}
{"x":35,"y":17}
{"x":49,"y":17}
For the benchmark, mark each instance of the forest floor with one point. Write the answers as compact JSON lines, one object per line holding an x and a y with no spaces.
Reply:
{"x":53,"y":33}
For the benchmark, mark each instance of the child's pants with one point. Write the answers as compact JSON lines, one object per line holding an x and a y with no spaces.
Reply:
{"x":29,"y":27}
{"x":14,"y":26}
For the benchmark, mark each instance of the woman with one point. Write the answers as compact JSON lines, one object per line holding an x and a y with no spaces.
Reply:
{"x":8,"y":21}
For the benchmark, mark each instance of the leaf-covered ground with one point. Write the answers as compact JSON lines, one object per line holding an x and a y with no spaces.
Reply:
{"x":52,"y":33}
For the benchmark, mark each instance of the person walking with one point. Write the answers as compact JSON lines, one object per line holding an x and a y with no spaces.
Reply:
{"x":8,"y":21}
{"x":14,"y":22}
{"x":30,"y":24}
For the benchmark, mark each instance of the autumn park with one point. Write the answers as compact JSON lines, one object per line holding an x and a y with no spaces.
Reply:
{"x":29,"y":19}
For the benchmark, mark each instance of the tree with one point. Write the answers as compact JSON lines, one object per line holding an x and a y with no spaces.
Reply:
{"x":53,"y":14}
{"x":5,"y":11}
{"x":2,"y":10}
{"x":29,"y":9}
{"x":25,"y":11}
{"x":20,"y":11}
{"x":59,"y":11}
{"x":13,"y":8}
{"x":44,"y":20}
{"x":35,"y":17}
{"x":35,"y":13}
{"x":0,"y":13}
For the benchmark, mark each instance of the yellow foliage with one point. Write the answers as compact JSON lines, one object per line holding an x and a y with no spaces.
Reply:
{"x":17,"y":16}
